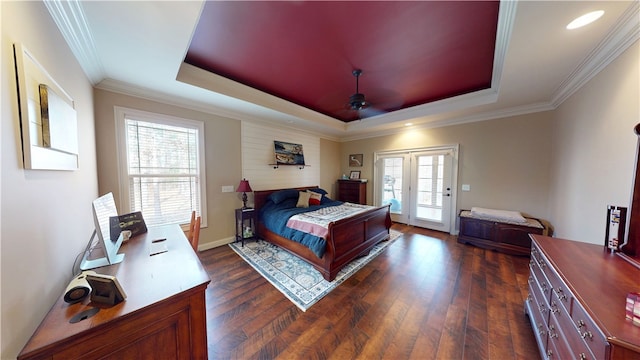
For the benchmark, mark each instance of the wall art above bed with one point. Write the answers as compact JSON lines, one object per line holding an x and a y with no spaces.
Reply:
{"x":288,"y":153}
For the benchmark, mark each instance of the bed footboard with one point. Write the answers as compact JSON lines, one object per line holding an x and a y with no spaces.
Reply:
{"x":347,"y":239}
{"x":353,"y":237}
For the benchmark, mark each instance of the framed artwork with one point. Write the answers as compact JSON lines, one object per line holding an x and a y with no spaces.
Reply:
{"x":288,"y":153}
{"x":355,"y":160}
{"x":354,"y":175}
{"x":48,"y":119}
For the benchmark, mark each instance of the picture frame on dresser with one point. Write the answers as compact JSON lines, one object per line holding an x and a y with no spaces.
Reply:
{"x":354,"y":175}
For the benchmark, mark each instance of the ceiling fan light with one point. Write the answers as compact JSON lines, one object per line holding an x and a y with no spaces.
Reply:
{"x":357,"y":101}
{"x":585,"y":19}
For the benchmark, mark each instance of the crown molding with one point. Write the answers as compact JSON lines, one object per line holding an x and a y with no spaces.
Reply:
{"x":459,"y":120}
{"x":127,"y":89}
{"x":71,"y":21}
{"x":506,"y":20}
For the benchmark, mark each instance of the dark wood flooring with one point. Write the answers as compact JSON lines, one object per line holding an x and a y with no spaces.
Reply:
{"x":424,"y":297}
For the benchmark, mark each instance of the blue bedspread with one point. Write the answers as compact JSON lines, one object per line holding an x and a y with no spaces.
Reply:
{"x":275,"y":216}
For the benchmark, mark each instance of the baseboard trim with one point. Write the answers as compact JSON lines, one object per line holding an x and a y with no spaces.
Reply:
{"x":216,"y":243}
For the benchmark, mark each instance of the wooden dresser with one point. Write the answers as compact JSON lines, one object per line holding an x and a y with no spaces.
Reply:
{"x":576,"y":301}
{"x":353,"y":191}
{"x":163,"y":317}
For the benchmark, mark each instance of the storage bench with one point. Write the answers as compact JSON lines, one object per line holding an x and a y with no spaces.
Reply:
{"x":500,"y":235}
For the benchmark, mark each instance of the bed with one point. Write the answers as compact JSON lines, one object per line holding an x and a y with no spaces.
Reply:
{"x":345,"y":240}
{"x":500,"y":230}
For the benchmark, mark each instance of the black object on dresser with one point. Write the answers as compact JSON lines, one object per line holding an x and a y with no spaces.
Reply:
{"x":353,"y":191}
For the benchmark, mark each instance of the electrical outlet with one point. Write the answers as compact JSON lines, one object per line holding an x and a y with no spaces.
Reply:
{"x":227,"y":188}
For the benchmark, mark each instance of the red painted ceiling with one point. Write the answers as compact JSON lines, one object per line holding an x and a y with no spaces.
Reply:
{"x":410,"y":53}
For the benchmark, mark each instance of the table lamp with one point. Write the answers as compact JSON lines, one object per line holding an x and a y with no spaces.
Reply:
{"x":244,"y":188}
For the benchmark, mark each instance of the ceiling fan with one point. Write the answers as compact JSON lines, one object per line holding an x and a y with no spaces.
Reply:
{"x":358,"y":102}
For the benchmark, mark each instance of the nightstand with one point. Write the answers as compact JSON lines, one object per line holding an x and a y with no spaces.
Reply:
{"x":245,"y":224}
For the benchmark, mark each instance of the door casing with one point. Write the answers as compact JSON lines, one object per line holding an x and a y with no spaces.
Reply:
{"x":454,"y":149}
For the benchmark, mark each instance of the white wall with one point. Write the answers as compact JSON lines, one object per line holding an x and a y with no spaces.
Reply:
{"x":258,"y":153}
{"x":46,"y":215}
{"x":594,"y":149}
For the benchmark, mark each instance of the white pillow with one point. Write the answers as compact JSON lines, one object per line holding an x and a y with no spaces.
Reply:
{"x":315,"y":198}
{"x":507,"y":215}
{"x":303,"y":199}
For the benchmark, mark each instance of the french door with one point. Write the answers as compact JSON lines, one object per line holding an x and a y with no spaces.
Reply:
{"x":419,"y":185}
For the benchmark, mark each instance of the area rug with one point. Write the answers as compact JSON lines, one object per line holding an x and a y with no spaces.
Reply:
{"x":295,"y":278}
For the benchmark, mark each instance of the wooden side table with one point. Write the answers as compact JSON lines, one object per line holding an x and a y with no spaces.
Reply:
{"x":245,"y":224}
{"x":353,"y":191}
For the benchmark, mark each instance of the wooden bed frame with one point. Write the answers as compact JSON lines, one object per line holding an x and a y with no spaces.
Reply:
{"x":348,"y":239}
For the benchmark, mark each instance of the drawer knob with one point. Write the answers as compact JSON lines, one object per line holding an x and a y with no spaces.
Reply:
{"x":587,"y":334}
{"x":580,"y":324}
{"x":561,"y":294}
{"x":582,"y":356}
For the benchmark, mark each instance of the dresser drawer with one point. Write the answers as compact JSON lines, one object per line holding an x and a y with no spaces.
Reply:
{"x":543,"y":263}
{"x":541,"y":278}
{"x":577,"y":346}
{"x":588,"y":331}
{"x":560,"y":292}
{"x":557,"y":342}
{"x":535,"y":317}
{"x":352,"y":191}
{"x":540,"y":306}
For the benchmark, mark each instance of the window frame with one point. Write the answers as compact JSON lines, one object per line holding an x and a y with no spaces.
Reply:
{"x":121,"y":115}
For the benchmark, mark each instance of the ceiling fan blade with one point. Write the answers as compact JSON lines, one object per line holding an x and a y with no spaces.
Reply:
{"x":370,"y":111}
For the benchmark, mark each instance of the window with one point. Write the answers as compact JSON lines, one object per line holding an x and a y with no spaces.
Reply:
{"x":162,"y":166}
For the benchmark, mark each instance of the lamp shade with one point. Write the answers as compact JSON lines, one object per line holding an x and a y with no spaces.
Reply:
{"x":244,"y":186}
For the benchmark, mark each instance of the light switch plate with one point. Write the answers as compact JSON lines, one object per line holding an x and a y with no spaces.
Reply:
{"x":466,"y":187}
{"x":227,"y":188}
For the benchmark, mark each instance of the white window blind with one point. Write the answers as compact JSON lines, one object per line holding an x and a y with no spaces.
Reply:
{"x":164,"y":174}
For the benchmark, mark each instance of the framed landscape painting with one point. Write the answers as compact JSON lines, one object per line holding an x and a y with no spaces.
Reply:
{"x":288,"y":153}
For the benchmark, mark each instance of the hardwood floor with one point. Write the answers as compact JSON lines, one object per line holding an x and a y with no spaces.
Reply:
{"x":424,"y":297}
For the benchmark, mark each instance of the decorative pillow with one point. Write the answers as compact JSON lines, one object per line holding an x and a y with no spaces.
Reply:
{"x":303,"y":199}
{"x":314,"y":198}
{"x":282,"y":195}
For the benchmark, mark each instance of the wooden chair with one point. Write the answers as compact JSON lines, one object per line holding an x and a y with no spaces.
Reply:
{"x":194,"y":231}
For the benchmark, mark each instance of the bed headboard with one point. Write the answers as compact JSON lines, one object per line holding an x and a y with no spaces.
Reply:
{"x":260,"y":197}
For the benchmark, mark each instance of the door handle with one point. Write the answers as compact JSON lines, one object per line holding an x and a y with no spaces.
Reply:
{"x":447,"y":194}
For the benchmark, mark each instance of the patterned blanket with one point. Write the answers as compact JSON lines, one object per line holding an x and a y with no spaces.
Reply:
{"x":317,"y":222}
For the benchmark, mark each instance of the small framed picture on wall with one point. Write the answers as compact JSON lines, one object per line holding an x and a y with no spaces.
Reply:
{"x":355,"y":160}
{"x":354,"y":175}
